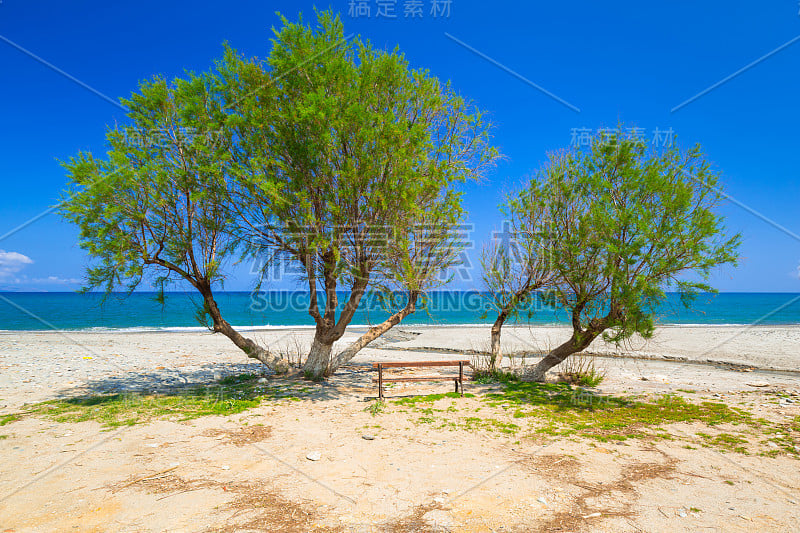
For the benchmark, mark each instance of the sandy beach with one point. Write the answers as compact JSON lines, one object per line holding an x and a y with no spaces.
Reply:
{"x":40,"y":365}
{"x":394,"y":470}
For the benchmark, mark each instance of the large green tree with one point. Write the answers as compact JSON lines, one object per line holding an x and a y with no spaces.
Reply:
{"x":625,"y":223}
{"x":341,"y":144}
{"x":332,"y":154}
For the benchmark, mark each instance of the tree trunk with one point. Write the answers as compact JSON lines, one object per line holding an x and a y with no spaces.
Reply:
{"x":373,"y":333}
{"x":559,"y":354}
{"x":277,"y":364}
{"x":497,"y":351}
{"x":319,"y":359}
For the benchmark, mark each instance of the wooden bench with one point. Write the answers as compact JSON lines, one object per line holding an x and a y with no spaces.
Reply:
{"x":459,"y":379}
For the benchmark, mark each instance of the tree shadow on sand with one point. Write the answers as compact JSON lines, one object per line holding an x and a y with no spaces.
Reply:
{"x":217,"y":383}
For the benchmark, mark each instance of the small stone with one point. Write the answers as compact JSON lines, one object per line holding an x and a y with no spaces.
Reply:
{"x":438,"y":499}
{"x":541,"y":500}
{"x":438,"y":519}
{"x":681,"y":513}
{"x":225,"y":467}
{"x":757,"y":384}
{"x":314,"y":456}
{"x":262,"y":380}
{"x":368,"y":437}
{"x":593,"y":515}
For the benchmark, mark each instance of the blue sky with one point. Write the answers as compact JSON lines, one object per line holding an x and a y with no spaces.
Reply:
{"x":614,"y":61}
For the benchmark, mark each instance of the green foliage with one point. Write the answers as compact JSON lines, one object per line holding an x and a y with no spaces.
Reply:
{"x":627,"y":223}
{"x":351,"y":159}
{"x":602,"y":234}
{"x":590,"y":378}
{"x":376,"y":407}
{"x":580,"y":370}
{"x":158,"y":197}
{"x":484,"y":377}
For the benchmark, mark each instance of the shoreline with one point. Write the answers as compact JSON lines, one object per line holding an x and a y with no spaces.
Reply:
{"x":763,"y":347}
{"x":307,"y":327}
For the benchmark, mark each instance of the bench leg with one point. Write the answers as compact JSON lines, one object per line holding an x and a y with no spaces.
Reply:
{"x":380,"y":382}
{"x":456,"y":381}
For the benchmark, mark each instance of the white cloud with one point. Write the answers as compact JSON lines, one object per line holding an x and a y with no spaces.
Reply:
{"x":12,"y":262}
{"x":55,"y":280}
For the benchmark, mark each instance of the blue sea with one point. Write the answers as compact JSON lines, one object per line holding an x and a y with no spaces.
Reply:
{"x":141,"y":311}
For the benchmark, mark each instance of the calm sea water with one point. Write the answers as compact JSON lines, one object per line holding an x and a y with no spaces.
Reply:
{"x":72,"y":311}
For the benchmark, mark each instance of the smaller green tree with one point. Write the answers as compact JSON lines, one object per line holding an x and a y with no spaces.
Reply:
{"x":517,"y":265}
{"x":625,"y":224}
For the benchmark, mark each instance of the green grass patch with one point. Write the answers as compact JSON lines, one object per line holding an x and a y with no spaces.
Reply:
{"x":7,"y":419}
{"x":231,"y":395}
{"x":563,"y":410}
{"x":573,"y":411}
{"x":489,"y":424}
{"x":429,"y":398}
{"x":725,"y":441}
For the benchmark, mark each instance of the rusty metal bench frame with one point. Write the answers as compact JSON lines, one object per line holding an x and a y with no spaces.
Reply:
{"x":459,"y":380}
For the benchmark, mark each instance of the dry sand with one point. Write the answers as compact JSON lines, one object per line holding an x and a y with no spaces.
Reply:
{"x":231,"y":474}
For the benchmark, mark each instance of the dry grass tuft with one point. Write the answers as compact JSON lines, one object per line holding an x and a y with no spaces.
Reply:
{"x":615,"y":499}
{"x":241,"y":436}
{"x":556,"y":467}
{"x":255,"y":507}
